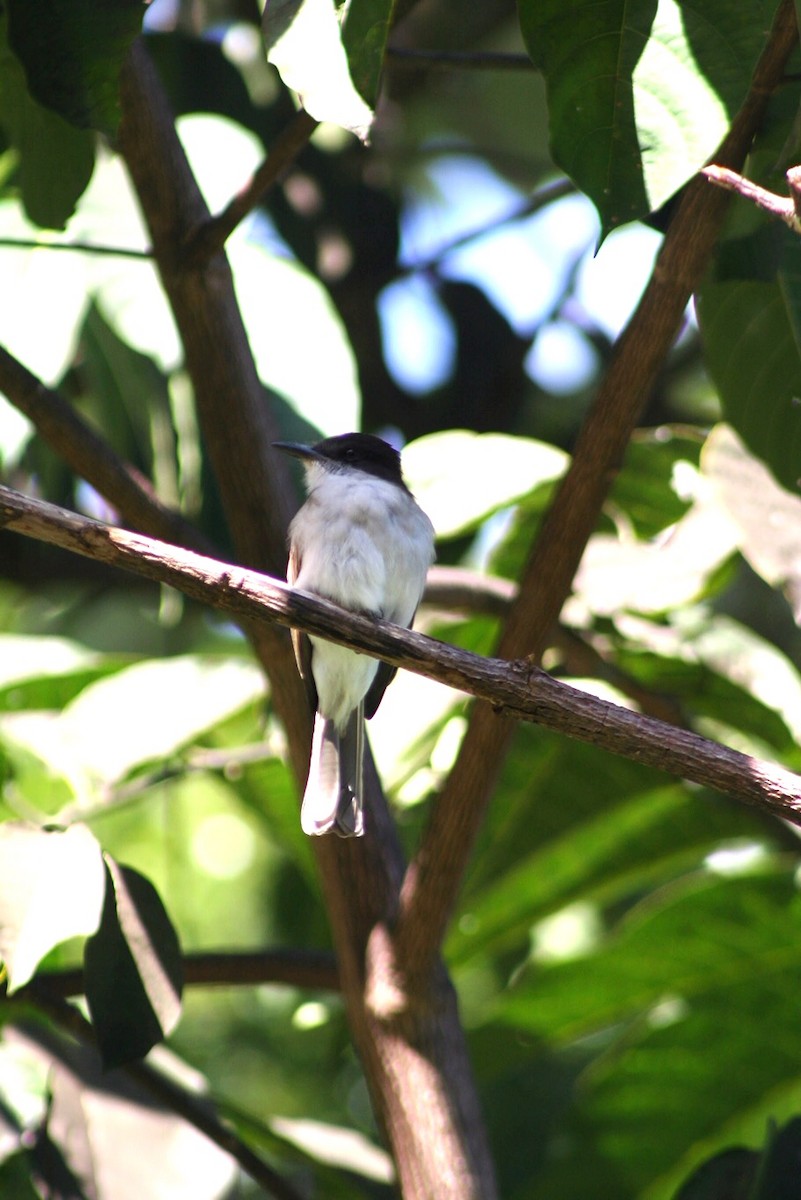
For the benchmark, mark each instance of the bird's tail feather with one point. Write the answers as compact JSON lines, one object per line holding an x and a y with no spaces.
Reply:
{"x":333,"y":797}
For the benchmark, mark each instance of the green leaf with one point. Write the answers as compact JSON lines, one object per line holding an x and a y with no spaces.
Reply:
{"x":728,"y":1176}
{"x":51,"y":889}
{"x":365,"y":30}
{"x":72,"y":52}
{"x":170,"y":702}
{"x":15,"y":1178}
{"x":132,"y":969}
{"x":304,"y":42}
{"x":645,"y":488}
{"x":768,"y":516}
{"x":55,"y":159}
{"x":777,"y":1177}
{"x":323,"y":386}
{"x":459,"y":477}
{"x":639,"y":92}
{"x":682,"y":999}
{"x":750,"y":319}
{"x":47,"y":672}
{"x":621,"y":573}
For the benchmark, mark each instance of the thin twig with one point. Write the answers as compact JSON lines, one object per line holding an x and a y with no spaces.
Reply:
{"x":770,"y":202}
{"x":78,"y":247}
{"x":474,"y":60}
{"x":434,"y":877}
{"x":229,"y":968}
{"x":209,"y":237}
{"x":517,"y":689}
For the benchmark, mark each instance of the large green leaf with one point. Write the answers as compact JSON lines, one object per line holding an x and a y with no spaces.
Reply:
{"x":688,"y":999}
{"x":750,"y":318}
{"x":168,"y":702}
{"x":133,"y":974}
{"x":51,"y":889}
{"x":275,"y":293}
{"x":55,"y":159}
{"x":365,"y":29}
{"x":73,"y":51}
{"x":640,"y":92}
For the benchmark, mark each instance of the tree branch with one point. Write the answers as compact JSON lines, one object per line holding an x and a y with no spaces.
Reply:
{"x":91,"y":457}
{"x":238,"y":968}
{"x":426,"y":1121}
{"x":474,"y":60}
{"x":518,"y":689}
{"x":77,"y":247}
{"x":434,"y":877}
{"x":211,"y":235}
{"x":786,"y":209}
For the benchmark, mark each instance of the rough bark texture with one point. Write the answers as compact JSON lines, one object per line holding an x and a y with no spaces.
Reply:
{"x":517,"y":688}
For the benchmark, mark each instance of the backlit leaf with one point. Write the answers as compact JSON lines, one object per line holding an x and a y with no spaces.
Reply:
{"x":304,"y":42}
{"x":51,"y":889}
{"x":639,"y":92}
{"x":459,"y":477}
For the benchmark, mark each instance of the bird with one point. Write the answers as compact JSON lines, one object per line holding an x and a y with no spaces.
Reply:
{"x":362,"y":541}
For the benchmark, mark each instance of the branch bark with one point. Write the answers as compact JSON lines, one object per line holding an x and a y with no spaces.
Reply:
{"x":229,"y":968}
{"x":91,"y":457}
{"x":434,"y":877}
{"x":517,"y":688}
{"x":210,"y":237}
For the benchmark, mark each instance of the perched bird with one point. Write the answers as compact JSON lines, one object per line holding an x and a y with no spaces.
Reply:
{"x":362,"y":541}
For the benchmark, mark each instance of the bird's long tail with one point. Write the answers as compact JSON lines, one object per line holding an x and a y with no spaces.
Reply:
{"x":333,"y":797}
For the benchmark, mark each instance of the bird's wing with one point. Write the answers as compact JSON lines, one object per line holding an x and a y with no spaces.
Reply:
{"x":383,"y":678}
{"x":301,"y":643}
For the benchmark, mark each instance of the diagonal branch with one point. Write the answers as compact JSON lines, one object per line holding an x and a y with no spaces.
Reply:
{"x":90,"y":456}
{"x":434,"y":877}
{"x":211,"y":235}
{"x":518,"y":689}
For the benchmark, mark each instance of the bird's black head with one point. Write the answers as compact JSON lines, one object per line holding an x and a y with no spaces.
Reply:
{"x":360,"y":451}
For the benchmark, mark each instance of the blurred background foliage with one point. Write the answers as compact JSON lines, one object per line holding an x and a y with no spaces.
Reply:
{"x":626,"y":950}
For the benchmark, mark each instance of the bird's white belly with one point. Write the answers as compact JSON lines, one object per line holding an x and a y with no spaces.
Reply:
{"x":342,"y":679}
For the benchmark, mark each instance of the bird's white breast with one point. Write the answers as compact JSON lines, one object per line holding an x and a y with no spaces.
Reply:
{"x":365,"y":544}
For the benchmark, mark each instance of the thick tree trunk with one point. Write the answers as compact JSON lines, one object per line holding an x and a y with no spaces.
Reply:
{"x":411,"y":1044}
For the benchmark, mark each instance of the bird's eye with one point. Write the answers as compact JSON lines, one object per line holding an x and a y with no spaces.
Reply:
{"x":350,"y":453}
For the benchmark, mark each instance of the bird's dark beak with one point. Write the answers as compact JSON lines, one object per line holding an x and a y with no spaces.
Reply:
{"x":298,"y":450}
